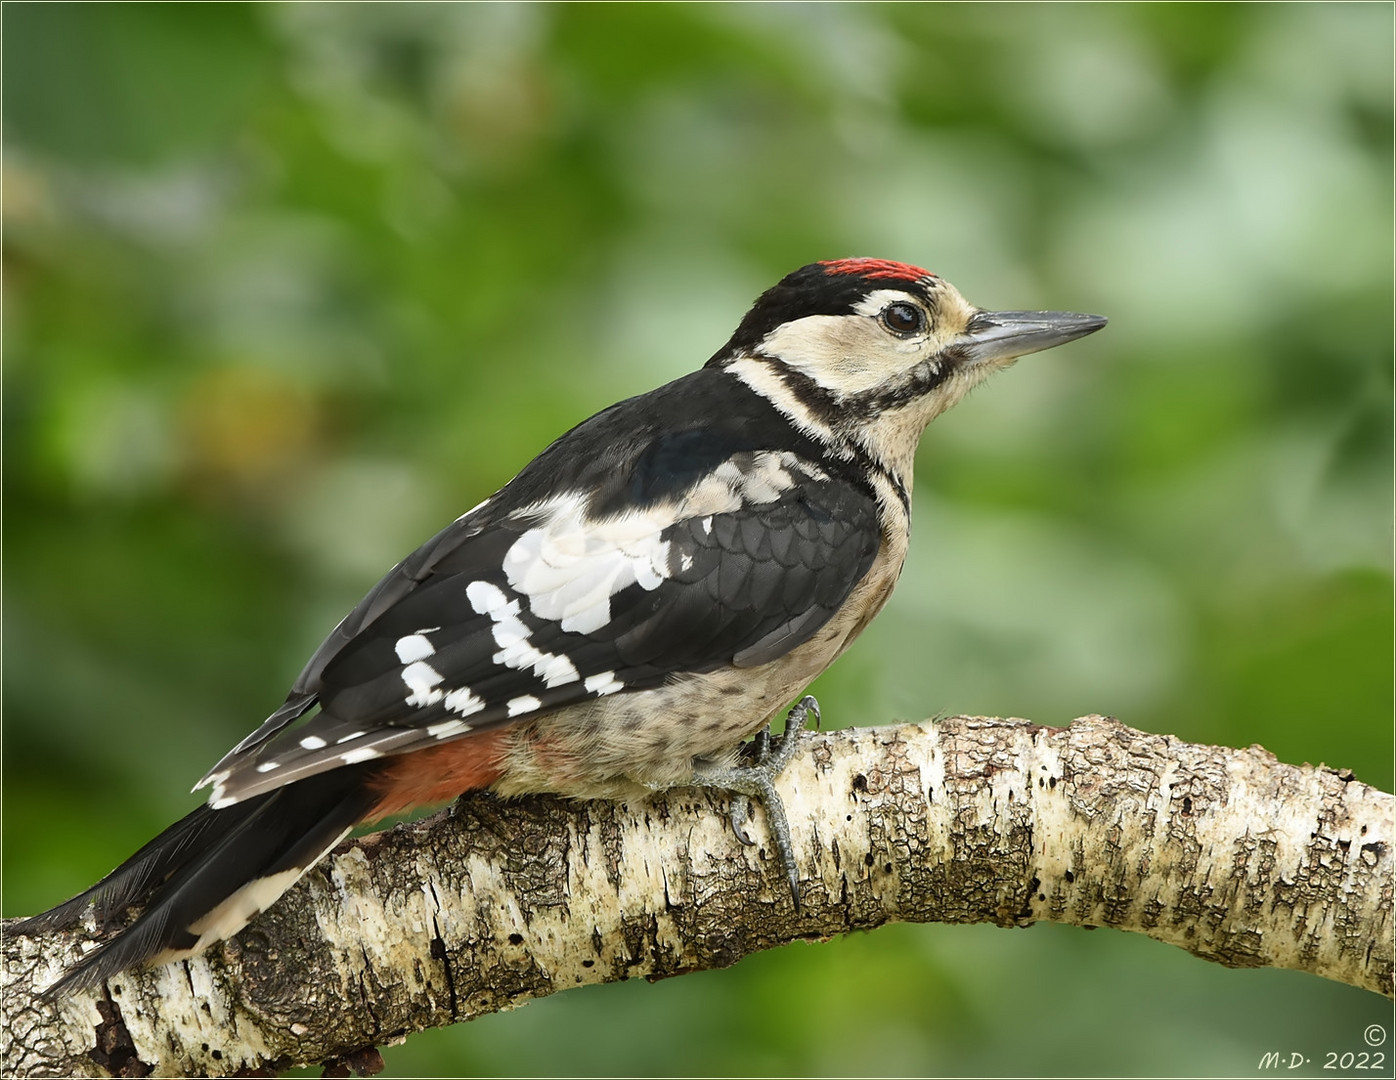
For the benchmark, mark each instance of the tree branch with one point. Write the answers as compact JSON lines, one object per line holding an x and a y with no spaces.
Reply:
{"x":1226,"y":853}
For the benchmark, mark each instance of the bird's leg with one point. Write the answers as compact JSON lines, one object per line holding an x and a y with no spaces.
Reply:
{"x":758,"y":779}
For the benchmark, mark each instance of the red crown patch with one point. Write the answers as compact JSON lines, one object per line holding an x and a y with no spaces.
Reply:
{"x":875,"y":268}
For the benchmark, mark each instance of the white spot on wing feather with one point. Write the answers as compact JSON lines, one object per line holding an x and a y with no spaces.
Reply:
{"x":414,"y":647}
{"x":813,"y":471}
{"x":603,"y":683}
{"x":422,"y":679}
{"x":268,"y":766}
{"x":485,"y":598}
{"x":746,"y":479}
{"x":359,"y":753}
{"x":512,"y":635}
{"x":557,"y":670}
{"x":212,"y":778}
{"x":510,"y":631}
{"x":313,"y":742}
{"x":447,"y":729}
{"x":524,"y":704}
{"x":464,"y":702}
{"x":648,"y":576}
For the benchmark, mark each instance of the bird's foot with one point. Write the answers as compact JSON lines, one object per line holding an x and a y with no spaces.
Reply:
{"x":757,"y":779}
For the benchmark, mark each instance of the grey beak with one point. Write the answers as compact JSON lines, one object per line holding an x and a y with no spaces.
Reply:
{"x":1003,"y":335}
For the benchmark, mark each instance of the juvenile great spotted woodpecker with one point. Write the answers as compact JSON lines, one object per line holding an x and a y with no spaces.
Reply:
{"x":650,"y":590}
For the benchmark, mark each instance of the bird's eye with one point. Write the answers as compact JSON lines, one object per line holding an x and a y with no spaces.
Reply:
{"x":902,"y":318}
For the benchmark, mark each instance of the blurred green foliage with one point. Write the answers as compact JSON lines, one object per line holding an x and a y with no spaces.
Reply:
{"x":287,"y":287}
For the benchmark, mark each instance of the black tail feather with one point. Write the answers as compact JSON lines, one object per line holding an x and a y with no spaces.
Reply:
{"x":139,"y":875}
{"x":204,"y":861}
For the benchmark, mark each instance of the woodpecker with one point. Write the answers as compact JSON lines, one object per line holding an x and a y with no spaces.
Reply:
{"x":651,"y":590}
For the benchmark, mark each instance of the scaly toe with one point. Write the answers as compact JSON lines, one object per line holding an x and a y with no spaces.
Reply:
{"x":757,"y":780}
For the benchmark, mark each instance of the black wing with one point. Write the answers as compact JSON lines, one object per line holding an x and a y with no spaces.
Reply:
{"x":517,"y":610}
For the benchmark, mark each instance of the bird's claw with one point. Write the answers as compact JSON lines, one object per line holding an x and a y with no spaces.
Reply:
{"x":740,"y":814}
{"x":757,"y":779}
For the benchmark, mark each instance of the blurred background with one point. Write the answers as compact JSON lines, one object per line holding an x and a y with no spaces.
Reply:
{"x":288,"y":287}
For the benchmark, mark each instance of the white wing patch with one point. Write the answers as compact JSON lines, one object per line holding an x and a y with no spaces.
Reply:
{"x":571,"y":564}
{"x":570,"y":567}
{"x":760,"y":479}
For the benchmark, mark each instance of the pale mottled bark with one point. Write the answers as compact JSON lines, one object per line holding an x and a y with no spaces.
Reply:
{"x":1226,"y":853}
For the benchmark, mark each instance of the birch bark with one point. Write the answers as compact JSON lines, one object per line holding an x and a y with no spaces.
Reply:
{"x":1226,"y":853}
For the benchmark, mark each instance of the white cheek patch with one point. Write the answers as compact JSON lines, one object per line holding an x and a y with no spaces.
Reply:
{"x":569,"y":567}
{"x":847,"y":354}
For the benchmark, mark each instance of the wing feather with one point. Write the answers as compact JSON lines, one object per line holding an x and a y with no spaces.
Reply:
{"x":502,"y":616}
